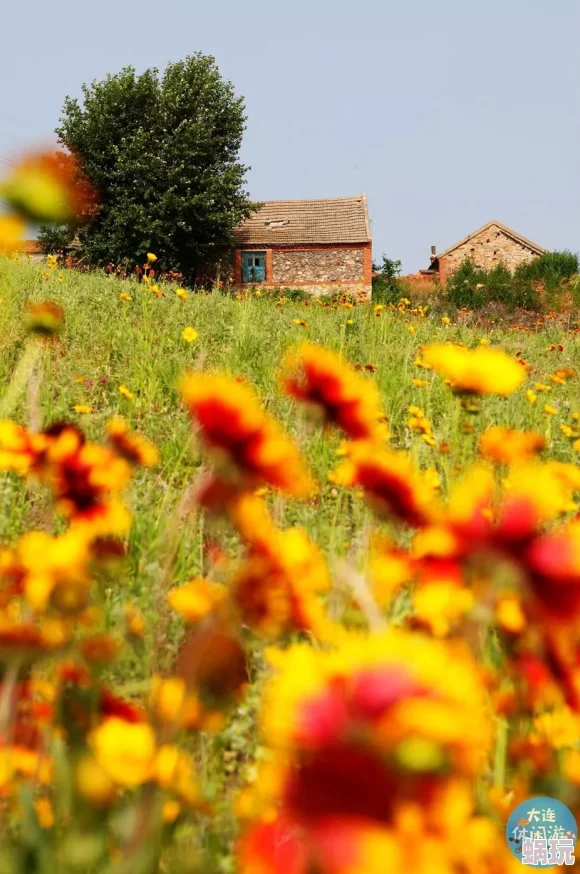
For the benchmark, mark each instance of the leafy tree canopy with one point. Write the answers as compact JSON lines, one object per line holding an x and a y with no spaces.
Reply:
{"x":162,"y":152}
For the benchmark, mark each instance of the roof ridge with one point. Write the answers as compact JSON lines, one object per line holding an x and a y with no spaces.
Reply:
{"x":314,"y":199}
{"x":507,"y":230}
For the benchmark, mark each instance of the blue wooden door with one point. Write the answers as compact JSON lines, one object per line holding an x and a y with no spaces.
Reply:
{"x":253,"y":266}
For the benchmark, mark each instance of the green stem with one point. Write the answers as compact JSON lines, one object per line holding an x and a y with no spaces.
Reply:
{"x":499,"y":763}
{"x":20,"y":377}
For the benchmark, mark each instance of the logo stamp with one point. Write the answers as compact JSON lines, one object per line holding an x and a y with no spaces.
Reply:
{"x":542,"y":832}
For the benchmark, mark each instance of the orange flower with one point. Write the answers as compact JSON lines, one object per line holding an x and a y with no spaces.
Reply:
{"x":319,"y":377}
{"x":133,"y":447}
{"x":20,"y":449}
{"x":247,"y":444}
{"x":390,"y":482}
{"x":277,"y":587}
{"x":44,"y":317}
{"x":507,"y":444}
{"x":84,"y":477}
{"x":48,"y":187}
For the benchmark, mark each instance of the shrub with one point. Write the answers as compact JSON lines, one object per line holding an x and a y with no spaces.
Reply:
{"x":386,"y":284}
{"x":465,"y":286}
{"x":474,"y":287}
{"x":546,"y":268}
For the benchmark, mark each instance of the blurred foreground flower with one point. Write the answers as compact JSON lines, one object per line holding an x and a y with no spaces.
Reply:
{"x":319,"y":377}
{"x":44,"y":317}
{"x":12,"y":230}
{"x":367,"y":745}
{"x":48,"y":187}
{"x":249,"y":446}
{"x":475,"y":371}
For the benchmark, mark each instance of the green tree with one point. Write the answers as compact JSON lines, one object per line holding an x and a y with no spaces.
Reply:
{"x":162,"y":152}
{"x":54,"y":239}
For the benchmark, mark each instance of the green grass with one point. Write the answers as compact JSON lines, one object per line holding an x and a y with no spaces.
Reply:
{"x":138,"y":344}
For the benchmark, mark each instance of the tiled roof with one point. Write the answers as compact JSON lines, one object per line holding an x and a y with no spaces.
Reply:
{"x":30,"y":247}
{"x":508,"y":231}
{"x":287,"y":222}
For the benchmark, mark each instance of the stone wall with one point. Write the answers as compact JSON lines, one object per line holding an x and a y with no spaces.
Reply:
{"x":487,"y":249}
{"x":317,"y":265}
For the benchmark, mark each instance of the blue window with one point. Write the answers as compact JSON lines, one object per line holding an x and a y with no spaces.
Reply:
{"x":253,"y":266}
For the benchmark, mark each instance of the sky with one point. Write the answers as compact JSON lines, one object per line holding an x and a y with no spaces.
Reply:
{"x":445,"y":114}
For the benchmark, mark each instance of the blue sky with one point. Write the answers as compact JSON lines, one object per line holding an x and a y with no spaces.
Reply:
{"x":444,"y":114}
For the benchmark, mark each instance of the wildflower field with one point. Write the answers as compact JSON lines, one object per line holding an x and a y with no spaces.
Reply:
{"x":285,"y":587}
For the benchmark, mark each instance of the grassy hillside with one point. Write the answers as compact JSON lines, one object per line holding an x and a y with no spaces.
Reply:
{"x":121,"y":335}
{"x":108,"y":342}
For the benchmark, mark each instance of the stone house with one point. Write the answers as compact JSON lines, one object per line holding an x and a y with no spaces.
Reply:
{"x":486,"y":247}
{"x":319,"y":246}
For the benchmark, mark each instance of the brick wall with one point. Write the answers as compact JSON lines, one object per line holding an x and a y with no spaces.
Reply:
{"x":487,"y":249}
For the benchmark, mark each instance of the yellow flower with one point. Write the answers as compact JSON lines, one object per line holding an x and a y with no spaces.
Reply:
{"x":125,"y":296}
{"x":196,"y":599}
{"x":125,"y":393}
{"x":510,"y":616}
{"x":445,"y":320}
{"x":44,"y":812}
{"x":151,"y":257}
{"x":477,"y":371}
{"x":181,"y":293}
{"x":389,"y":571}
{"x":439,"y":605}
{"x":571,"y":766}
{"x":411,"y":329}
{"x":170,"y":811}
{"x":82,"y":408}
{"x":549,"y":410}
{"x":125,"y":751}
{"x":539,"y":386}
{"x":548,"y":488}
{"x":93,"y":783}
{"x":167,"y":698}
{"x":134,"y":620}
{"x":419,"y":383}
{"x":531,"y":396}
{"x":12,"y":231}
{"x":50,"y":567}
{"x":561,"y":727}
{"x":189,"y":334}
